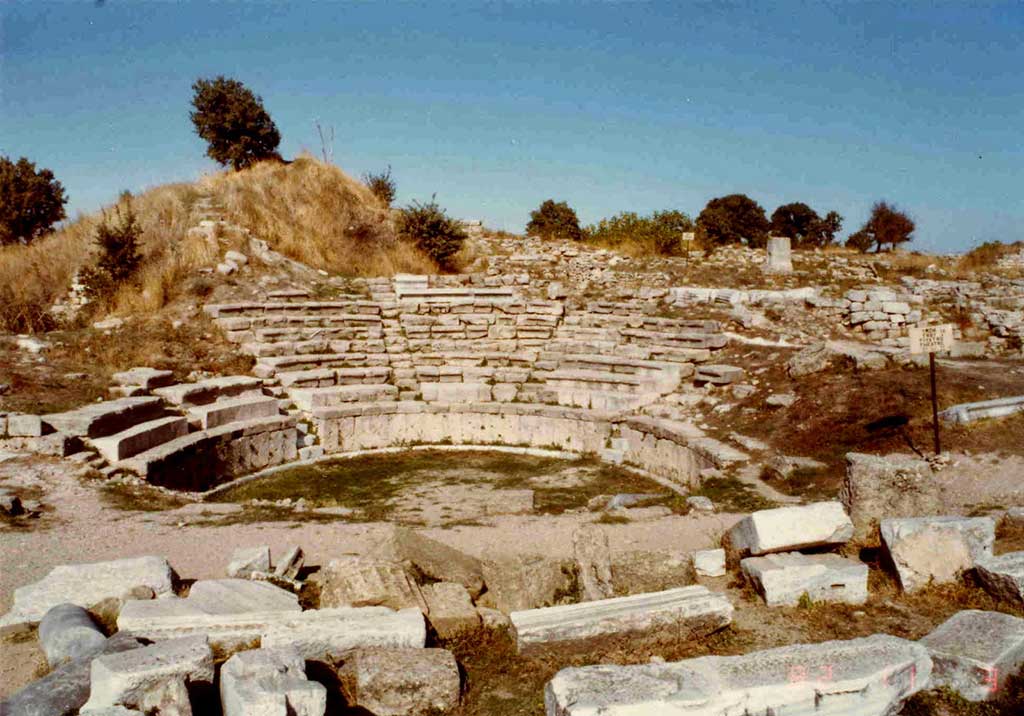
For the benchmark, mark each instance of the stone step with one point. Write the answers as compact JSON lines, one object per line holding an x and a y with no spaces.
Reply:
{"x":456,"y":392}
{"x":255,"y":308}
{"x":323,"y":377}
{"x":232,"y":410}
{"x":105,"y":418}
{"x":861,"y":677}
{"x":444,"y":295}
{"x":680,"y":339}
{"x":593,"y":398}
{"x":272,"y":365}
{"x":173,"y":459}
{"x":209,"y":390}
{"x":286,"y":347}
{"x":718,"y":374}
{"x":608,"y":380}
{"x":313,"y":398}
{"x":617,"y":364}
{"x":140,"y":438}
{"x":694,"y":609}
{"x":145,"y":378}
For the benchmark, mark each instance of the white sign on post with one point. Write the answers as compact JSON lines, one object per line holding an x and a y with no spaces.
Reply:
{"x":931,"y":339}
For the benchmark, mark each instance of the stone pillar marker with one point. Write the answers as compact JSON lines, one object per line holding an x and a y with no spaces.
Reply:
{"x":779,"y":255}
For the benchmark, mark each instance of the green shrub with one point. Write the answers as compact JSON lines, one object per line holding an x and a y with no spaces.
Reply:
{"x":802,"y":224}
{"x":660,"y":233}
{"x":232,"y":120}
{"x":861,"y":241}
{"x":733,"y":219}
{"x":555,"y":220}
{"x":117,"y":239}
{"x":382,"y":185}
{"x":31,"y":201}
{"x":433,"y":231}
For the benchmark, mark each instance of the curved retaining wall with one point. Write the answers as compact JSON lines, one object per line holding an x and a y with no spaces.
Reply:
{"x":669,"y":450}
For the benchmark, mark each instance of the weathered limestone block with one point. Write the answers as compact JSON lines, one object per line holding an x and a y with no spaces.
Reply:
{"x":526,"y":582}
{"x":434,"y":559}
{"x":695,"y":609}
{"x":67,"y":632}
{"x":326,"y":634}
{"x":87,"y":584}
{"x":860,"y":677}
{"x":105,"y":418}
{"x":145,"y":378}
{"x":64,"y":690}
{"x":126,"y":678}
{"x":783,"y":578}
{"x":247,"y":560}
{"x":269,"y":682}
{"x":140,"y":438}
{"x":401,"y":682}
{"x":355,"y":581}
{"x":925,"y":549}
{"x":290,"y":564}
{"x":779,"y":257}
{"x":450,"y":609}
{"x":235,"y":596}
{"x":785,"y":529}
{"x":232,"y":410}
{"x":879,"y":487}
{"x":709,"y":562}
{"x":975,"y":652}
{"x":593,"y":562}
{"x":640,"y":571}
{"x":1003,"y":576}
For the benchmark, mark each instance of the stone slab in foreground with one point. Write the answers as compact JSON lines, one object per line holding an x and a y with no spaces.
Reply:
{"x":269,"y":682}
{"x":786,"y":529}
{"x":87,"y":584}
{"x":974,"y":652}
{"x":693,"y":608}
{"x":782,"y":579}
{"x":926,"y":550}
{"x":861,"y":677}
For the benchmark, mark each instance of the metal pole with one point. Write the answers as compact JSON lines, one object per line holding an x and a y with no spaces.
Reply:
{"x":935,"y":405}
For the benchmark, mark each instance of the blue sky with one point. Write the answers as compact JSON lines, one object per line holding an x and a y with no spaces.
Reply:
{"x":497,"y":106}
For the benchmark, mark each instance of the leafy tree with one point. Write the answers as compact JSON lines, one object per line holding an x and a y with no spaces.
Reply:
{"x":433,"y":231}
{"x":732,"y":219}
{"x":382,"y":185}
{"x":887,"y":226}
{"x":802,"y":224}
{"x":237,"y":129}
{"x":554,"y":220}
{"x":31,"y":201}
{"x":117,"y":239}
{"x":660,"y":233}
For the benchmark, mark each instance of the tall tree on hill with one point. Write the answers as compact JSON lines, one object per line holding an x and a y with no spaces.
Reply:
{"x":31,"y":201}
{"x":802,"y":224}
{"x":554,"y":220}
{"x":886,"y":227}
{"x":733,"y":219}
{"x":237,"y":129}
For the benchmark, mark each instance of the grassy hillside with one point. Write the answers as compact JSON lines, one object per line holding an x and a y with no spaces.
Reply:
{"x":310,"y":211}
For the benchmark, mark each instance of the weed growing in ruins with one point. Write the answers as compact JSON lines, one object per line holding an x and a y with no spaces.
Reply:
{"x":382,"y":185}
{"x":434,"y":232}
{"x":117,"y":239}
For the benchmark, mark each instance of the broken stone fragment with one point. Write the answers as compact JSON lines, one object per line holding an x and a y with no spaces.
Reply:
{"x":975,"y":653}
{"x":693,"y":611}
{"x":401,"y":682}
{"x":247,"y":560}
{"x":878,"y":487}
{"x":290,"y":563}
{"x":860,"y":677}
{"x":355,"y":581}
{"x":269,"y":682}
{"x":527,"y":581}
{"x":88,"y":584}
{"x":784,"y":578}
{"x":923,"y":550}
{"x":1003,"y":576}
{"x":134,"y":678}
{"x":593,"y":562}
{"x":709,"y":562}
{"x":786,"y":529}
{"x":450,"y":609}
{"x":433,"y":559}
{"x":640,"y":571}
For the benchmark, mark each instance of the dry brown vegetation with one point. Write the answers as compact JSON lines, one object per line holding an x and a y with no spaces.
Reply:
{"x":308,"y":210}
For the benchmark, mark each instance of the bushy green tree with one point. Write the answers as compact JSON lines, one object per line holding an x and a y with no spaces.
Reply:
{"x":237,"y":129}
{"x":659,"y":233}
{"x":31,"y":201}
{"x":433,"y":231}
{"x":554,"y":220}
{"x":733,"y":219}
{"x":382,"y":185}
{"x":117,"y":241}
{"x":886,"y":227}
{"x":802,"y":224}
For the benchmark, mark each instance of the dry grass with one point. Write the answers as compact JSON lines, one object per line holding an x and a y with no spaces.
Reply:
{"x":310,"y":211}
{"x":315,"y":213}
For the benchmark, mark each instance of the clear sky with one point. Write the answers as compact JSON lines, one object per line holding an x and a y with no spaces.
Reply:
{"x":495,"y":107}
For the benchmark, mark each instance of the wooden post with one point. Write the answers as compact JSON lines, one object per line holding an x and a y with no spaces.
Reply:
{"x":935,"y":404}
